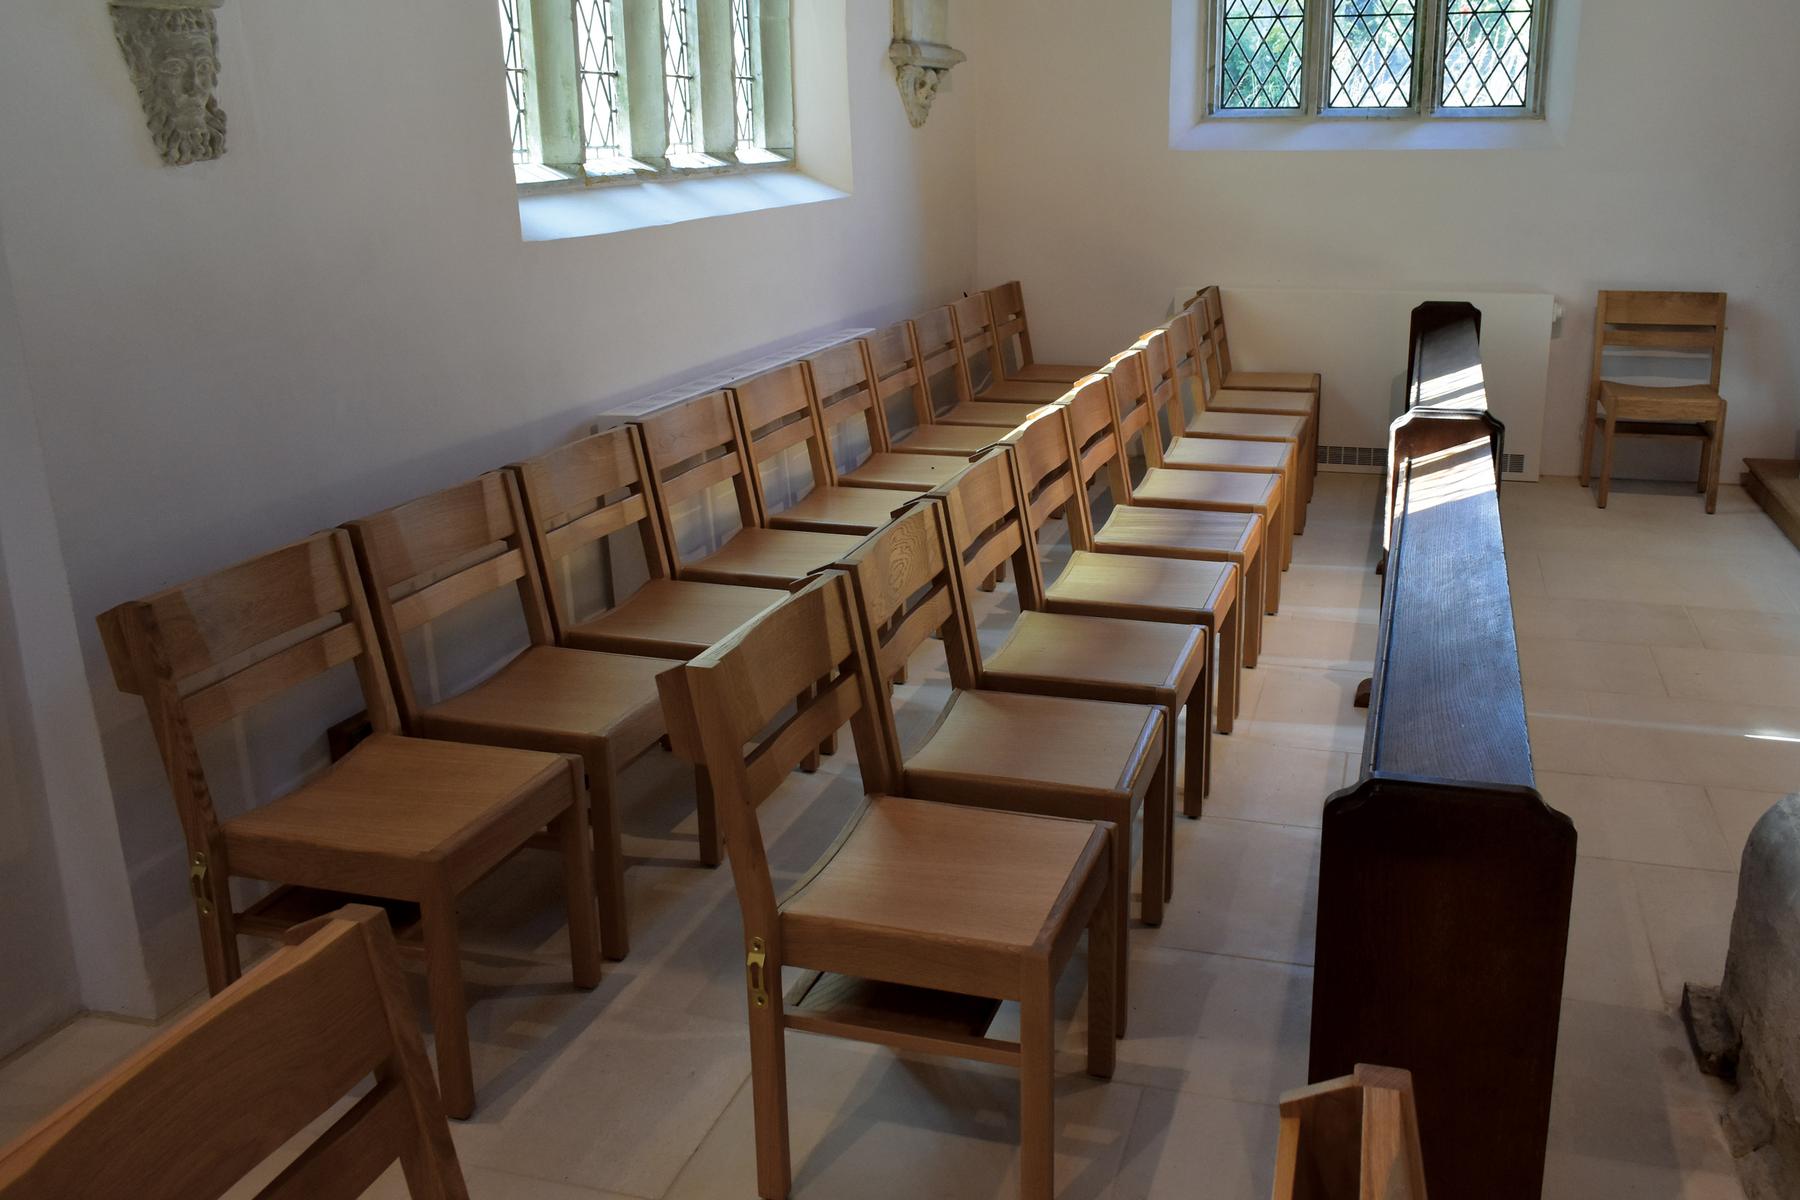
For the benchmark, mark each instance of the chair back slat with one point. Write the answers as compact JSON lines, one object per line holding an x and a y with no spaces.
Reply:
{"x":1677,"y":323}
{"x":907,"y":587}
{"x":200,"y":1107}
{"x":1094,"y":435}
{"x":894,"y":358}
{"x":429,"y":557}
{"x":1012,"y":330}
{"x":691,"y":448}
{"x":1213,"y":300}
{"x":217,"y":703}
{"x":1041,"y":447}
{"x":776,"y":413}
{"x":988,"y":524}
{"x":1704,"y":310}
{"x":975,"y":340}
{"x":938,"y":346}
{"x":1133,"y":407}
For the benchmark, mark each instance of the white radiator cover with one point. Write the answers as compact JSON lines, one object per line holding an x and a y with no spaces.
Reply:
{"x":1357,"y":339}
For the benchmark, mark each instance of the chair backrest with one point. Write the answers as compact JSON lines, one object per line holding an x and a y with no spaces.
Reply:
{"x":1212,"y":303}
{"x":1047,"y":480}
{"x":894,"y":363}
{"x":1667,"y":322}
{"x":206,"y":651}
{"x":1012,"y":331}
{"x":583,"y":492}
{"x":722,"y":708}
{"x":1355,"y":1138}
{"x":1162,"y":349}
{"x":776,"y":413}
{"x":200,"y":1107}
{"x":975,"y":341}
{"x":845,"y":392}
{"x":429,"y":557}
{"x":1098,"y":450}
{"x":691,"y":448}
{"x":908,"y":588}
{"x":989,"y":524}
{"x":1133,"y":375}
{"x":939,"y":347}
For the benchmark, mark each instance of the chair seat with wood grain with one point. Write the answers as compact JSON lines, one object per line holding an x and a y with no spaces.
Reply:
{"x":229,"y":1084}
{"x":1355,"y":1138}
{"x":1012,"y":332}
{"x":850,"y":392}
{"x":922,"y":918}
{"x":401,"y":819}
{"x":423,"y":561}
{"x":1667,"y":325}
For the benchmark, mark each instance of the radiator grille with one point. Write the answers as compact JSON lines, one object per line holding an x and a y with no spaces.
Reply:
{"x":1374,"y":458}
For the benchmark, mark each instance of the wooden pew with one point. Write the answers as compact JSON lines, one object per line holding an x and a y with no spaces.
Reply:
{"x":1444,"y":879}
{"x":1355,"y":1138}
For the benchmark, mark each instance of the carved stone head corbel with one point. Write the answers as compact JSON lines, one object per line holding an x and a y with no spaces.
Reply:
{"x":921,"y":54}
{"x":172,"y":48}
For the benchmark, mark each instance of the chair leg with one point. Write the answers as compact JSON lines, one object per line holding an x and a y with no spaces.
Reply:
{"x":1256,"y":607}
{"x":1198,"y":777}
{"x":768,"y":1090}
{"x":579,"y":896}
{"x":1606,"y":462}
{"x":1231,"y":638}
{"x":1587,"y":445}
{"x":1102,"y":994}
{"x":1718,"y":452}
{"x":706,"y":809}
{"x":449,"y":1007}
{"x":1156,"y":837}
{"x":1037,"y":1096}
{"x":609,"y":860}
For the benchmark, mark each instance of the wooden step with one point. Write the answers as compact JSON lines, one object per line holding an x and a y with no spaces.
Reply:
{"x":1775,"y":483}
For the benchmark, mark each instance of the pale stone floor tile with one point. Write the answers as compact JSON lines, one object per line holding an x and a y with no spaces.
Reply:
{"x":1731,"y":676}
{"x":1242,"y":888}
{"x":1756,"y":632}
{"x":1191,"y":1147}
{"x":1296,"y":638}
{"x":1609,"y":959}
{"x":1261,"y":781}
{"x":1590,"y":666}
{"x":1688,"y":916}
{"x":1593,"y":621}
{"x":1301,"y":706}
{"x":1672,"y":824}
{"x":1738,"y":813}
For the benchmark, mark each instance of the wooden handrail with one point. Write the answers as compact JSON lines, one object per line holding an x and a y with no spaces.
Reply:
{"x":1445,"y":879}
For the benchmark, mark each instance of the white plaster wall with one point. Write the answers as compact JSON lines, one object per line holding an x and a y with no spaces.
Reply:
{"x":1678,"y":166}
{"x":341,"y":313}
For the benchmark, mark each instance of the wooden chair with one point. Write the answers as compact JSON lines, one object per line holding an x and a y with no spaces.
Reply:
{"x":1669,"y":324}
{"x":851,"y":401}
{"x":1286,"y":393}
{"x":425,"y":560}
{"x":922,"y":917}
{"x":978,"y":345}
{"x":401,"y":819}
{"x":1355,"y":1138}
{"x":1264,"y":493}
{"x":777,"y":413}
{"x":1054,"y":756}
{"x":190,"y":1114}
{"x":1175,"y":372}
{"x":1206,"y":422}
{"x":1125,"y":585}
{"x":914,"y":366}
{"x":1012,"y":330}
{"x":691,"y":449}
{"x":1066,"y":654}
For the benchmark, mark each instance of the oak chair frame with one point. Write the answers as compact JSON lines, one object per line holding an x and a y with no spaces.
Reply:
{"x":1012,"y":327}
{"x":1270,"y":392}
{"x":848,"y":391}
{"x":929,"y":352}
{"x":1356,"y":1137}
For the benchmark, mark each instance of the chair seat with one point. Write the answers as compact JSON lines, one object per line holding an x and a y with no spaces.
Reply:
{"x":1060,"y":647}
{"x":1165,"y":589}
{"x":842,"y":509}
{"x":1023,"y":391}
{"x":1051,"y":373}
{"x":1240,"y":490}
{"x":999,"y":415}
{"x":1000,"y":740}
{"x":1129,"y":527}
{"x":1239,"y":400}
{"x":771,"y":557}
{"x":954,"y":876}
{"x":1638,"y":402}
{"x":582,"y":694}
{"x":946,"y":439}
{"x":1228,"y":455}
{"x":673,"y":618}
{"x":912,"y":472}
{"x":1273,"y":381}
{"x":395,"y":800}
{"x":1257,"y":427}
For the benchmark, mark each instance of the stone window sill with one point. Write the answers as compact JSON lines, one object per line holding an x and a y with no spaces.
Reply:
{"x":553,"y":213}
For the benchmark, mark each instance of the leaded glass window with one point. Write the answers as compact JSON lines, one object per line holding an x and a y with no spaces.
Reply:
{"x":744,"y":75}
{"x":1263,"y":45}
{"x":679,"y":82}
{"x":512,"y":39}
{"x":1372,"y":53}
{"x":1487,"y":53}
{"x":597,"y":56}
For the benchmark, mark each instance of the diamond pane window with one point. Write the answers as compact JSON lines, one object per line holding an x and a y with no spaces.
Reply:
{"x":1372,"y":51}
{"x":512,"y":39}
{"x":597,"y":56}
{"x":678,"y":77}
{"x":743,"y":70}
{"x":1264,"y":48}
{"x":1487,"y":53}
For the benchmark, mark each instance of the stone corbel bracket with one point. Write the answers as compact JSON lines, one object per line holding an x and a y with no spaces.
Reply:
{"x":172,"y":50}
{"x":921,"y":53}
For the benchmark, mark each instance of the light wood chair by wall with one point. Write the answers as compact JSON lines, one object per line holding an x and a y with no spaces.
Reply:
{"x":229,"y":1084}
{"x":931,"y":364}
{"x":1012,"y":330}
{"x":402,"y":819}
{"x":1289,"y":393}
{"x":1163,"y":586}
{"x":1053,"y":756}
{"x":1065,"y":654}
{"x":1203,"y":422}
{"x":851,"y":404}
{"x":979,"y":346}
{"x":778,"y":415}
{"x":691,"y":449}
{"x":1670,"y":324}
{"x":1355,"y":1138}
{"x":922,"y":917}
{"x":1182,"y":452}
{"x":423,"y":561}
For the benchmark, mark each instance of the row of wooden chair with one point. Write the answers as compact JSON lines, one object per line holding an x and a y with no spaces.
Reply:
{"x":443,"y":790}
